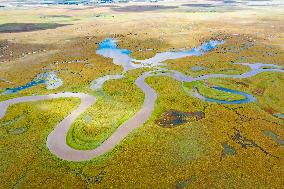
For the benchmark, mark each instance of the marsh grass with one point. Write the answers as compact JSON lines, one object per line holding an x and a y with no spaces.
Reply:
{"x":210,"y":92}
{"x":116,"y":106}
{"x":151,"y":156}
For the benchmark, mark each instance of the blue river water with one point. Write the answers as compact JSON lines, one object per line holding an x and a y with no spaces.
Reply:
{"x":204,"y":48}
{"x":109,"y":49}
{"x":23,"y":87}
{"x":279,"y":115}
{"x":247,"y":97}
{"x":50,"y":79}
{"x":109,"y":43}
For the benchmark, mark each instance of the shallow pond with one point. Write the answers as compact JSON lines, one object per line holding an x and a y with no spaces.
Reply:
{"x":23,"y":87}
{"x":109,"y":49}
{"x":50,"y":79}
{"x":228,"y":150}
{"x":171,"y":55}
{"x":17,"y":131}
{"x":174,"y":118}
{"x":274,"y":137}
{"x":279,"y":115}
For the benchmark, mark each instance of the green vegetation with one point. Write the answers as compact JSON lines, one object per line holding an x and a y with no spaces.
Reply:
{"x":108,"y":113}
{"x":266,"y":87}
{"x":27,"y":150}
{"x":210,"y":92}
{"x":205,"y":153}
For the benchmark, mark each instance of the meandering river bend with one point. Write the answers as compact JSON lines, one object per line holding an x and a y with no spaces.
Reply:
{"x":56,"y":140}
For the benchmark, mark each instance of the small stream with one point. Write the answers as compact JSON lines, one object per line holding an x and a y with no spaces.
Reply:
{"x":50,"y":79}
{"x":247,"y":97}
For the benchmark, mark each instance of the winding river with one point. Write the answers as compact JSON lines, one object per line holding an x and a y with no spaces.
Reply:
{"x":247,"y":97}
{"x":56,"y":140}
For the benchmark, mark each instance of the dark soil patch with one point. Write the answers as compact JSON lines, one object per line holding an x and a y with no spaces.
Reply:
{"x":258,"y":92}
{"x":28,"y":27}
{"x":269,"y":110}
{"x":247,"y":143}
{"x":173,"y":118}
{"x":242,"y":83}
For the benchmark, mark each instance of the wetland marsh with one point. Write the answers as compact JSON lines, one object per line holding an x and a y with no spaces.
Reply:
{"x":190,"y":96}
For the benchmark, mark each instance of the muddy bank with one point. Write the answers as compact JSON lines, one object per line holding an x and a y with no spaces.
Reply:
{"x":174,"y":118}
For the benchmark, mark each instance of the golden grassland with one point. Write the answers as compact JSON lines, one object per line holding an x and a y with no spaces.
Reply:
{"x":151,"y":156}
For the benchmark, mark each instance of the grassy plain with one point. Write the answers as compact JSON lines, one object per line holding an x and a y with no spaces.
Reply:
{"x":190,"y":155}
